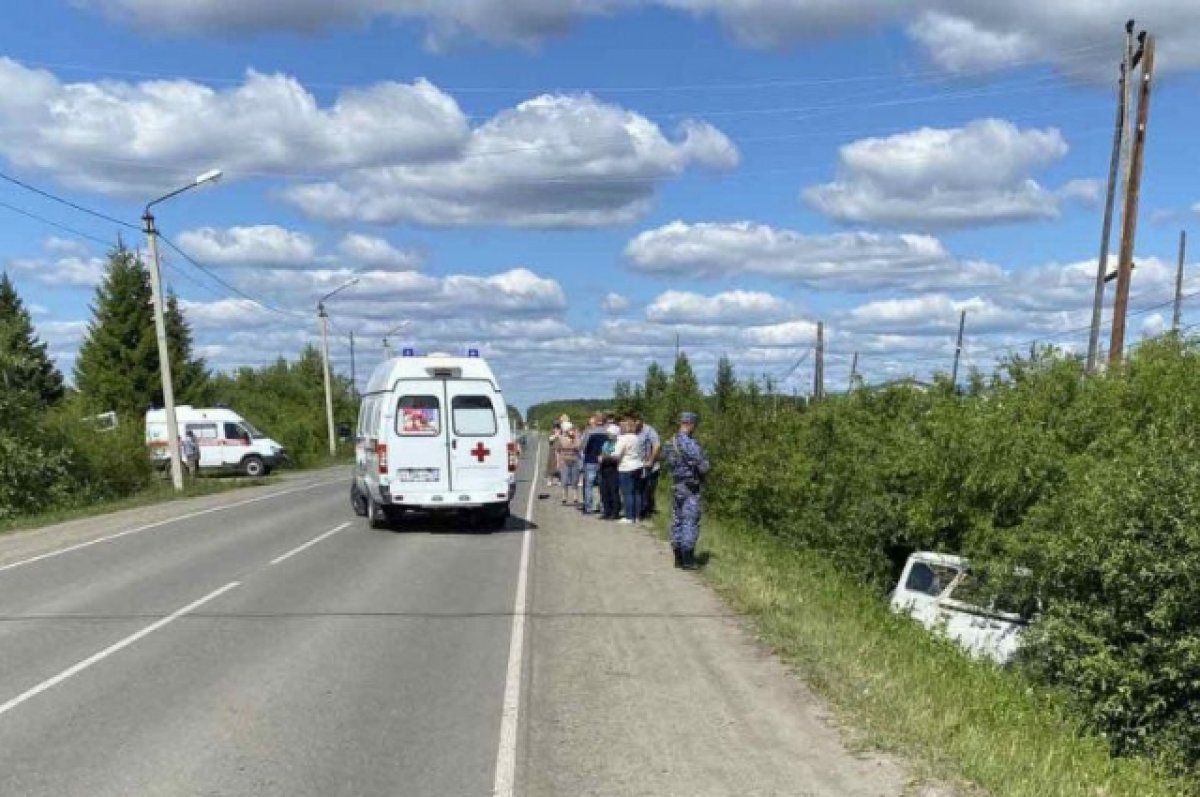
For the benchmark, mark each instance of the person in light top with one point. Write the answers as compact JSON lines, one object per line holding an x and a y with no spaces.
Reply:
{"x":630,"y":467}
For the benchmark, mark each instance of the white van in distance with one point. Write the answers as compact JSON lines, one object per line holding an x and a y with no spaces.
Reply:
{"x":227,"y":441}
{"x":433,"y":436}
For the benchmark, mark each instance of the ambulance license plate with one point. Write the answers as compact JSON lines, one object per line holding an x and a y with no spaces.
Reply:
{"x":419,"y":474}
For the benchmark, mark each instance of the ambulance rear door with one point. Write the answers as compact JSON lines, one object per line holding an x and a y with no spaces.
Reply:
{"x":418,"y":460}
{"x":478,"y":440}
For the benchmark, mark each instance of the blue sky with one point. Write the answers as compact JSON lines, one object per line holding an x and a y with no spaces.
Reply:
{"x":572,"y":184}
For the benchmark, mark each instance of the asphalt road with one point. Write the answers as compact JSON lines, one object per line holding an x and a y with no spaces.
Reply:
{"x":266,"y":642}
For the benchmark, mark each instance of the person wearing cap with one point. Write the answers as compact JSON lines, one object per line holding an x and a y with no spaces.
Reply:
{"x":689,"y":466}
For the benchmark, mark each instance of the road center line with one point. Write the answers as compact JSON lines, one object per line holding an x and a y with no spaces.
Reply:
{"x":308,"y":544}
{"x":75,"y":669}
{"x":158,"y":523}
{"x":506,"y":757}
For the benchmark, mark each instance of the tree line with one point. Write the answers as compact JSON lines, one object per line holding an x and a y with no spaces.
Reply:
{"x":53,"y":451}
{"x":1091,"y":484}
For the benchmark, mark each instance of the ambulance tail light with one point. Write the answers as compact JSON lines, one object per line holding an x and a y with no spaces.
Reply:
{"x":381,"y":454}
{"x":512,"y":457}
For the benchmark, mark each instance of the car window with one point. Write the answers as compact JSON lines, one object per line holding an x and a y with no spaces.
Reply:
{"x":474,"y":416}
{"x":233,"y":431}
{"x":203,"y":431}
{"x":418,"y":416}
{"x":929,"y":579}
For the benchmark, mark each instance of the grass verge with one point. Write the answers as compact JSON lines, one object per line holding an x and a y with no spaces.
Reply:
{"x":905,"y":691}
{"x":157,"y":493}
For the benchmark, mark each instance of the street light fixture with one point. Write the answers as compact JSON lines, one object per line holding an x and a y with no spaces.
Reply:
{"x":387,"y":349}
{"x":325,"y":358}
{"x":160,"y":326}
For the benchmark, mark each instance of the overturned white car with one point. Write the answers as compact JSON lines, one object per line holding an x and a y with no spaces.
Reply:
{"x":940,"y":592}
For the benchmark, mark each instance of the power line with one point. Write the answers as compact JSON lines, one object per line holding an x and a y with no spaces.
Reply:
{"x":68,"y":203}
{"x":65,"y":228}
{"x":195,"y":263}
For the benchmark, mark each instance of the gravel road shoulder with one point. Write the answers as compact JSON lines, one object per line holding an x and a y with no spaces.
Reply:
{"x":641,"y":682}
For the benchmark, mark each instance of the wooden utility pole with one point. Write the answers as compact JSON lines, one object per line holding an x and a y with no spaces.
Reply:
{"x":1129,"y":221}
{"x":1175,"y":317}
{"x":1114,"y":169}
{"x":353,"y":368}
{"x":853,"y":371}
{"x":962,"y":323}
{"x":819,"y":368}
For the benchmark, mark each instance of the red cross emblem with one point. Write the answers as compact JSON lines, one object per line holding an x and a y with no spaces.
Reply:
{"x":480,"y":452}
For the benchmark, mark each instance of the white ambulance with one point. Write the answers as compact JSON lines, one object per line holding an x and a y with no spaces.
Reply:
{"x":227,"y":441}
{"x":433,"y":436}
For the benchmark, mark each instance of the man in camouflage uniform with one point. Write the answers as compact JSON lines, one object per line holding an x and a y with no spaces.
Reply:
{"x":689,"y":466}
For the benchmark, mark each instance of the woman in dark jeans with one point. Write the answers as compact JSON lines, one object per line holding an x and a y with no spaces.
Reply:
{"x":610,"y":486}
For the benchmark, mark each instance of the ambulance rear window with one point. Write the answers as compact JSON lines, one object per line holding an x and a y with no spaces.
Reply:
{"x":474,"y":416}
{"x":418,"y":416}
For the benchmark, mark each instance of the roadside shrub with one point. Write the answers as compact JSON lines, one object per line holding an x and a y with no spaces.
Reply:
{"x":1091,"y":482}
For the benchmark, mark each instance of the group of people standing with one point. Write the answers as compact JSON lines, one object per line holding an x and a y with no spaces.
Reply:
{"x":611,"y":469}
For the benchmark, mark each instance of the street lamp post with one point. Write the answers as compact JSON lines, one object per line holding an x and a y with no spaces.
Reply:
{"x":387,"y":349}
{"x":325,"y":358}
{"x":160,"y":325}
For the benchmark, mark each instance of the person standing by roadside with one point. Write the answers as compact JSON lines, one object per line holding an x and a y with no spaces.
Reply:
{"x":629,"y":468}
{"x":592,"y":444}
{"x":689,"y":466}
{"x":652,"y":457}
{"x":610,"y":490}
{"x":568,"y":463}
{"x":552,"y":455}
{"x":191,"y":454}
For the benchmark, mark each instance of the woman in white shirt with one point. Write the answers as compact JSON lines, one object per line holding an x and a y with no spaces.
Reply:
{"x":630,"y":469}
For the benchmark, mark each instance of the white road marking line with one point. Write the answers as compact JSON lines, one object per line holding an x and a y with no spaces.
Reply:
{"x":75,"y":669}
{"x":506,"y":757}
{"x":157,"y":524}
{"x":308,"y":544}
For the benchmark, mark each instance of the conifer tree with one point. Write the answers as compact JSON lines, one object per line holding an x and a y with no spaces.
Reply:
{"x":27,"y":375}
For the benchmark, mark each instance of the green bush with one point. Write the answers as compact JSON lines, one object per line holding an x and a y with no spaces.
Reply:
{"x":1091,"y":482}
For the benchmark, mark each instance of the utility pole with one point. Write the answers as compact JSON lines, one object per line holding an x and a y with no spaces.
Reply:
{"x":164,"y":356}
{"x":962,"y":323}
{"x":819,"y":367}
{"x":387,"y":349}
{"x":328,"y":388}
{"x":1129,"y":221}
{"x":353,"y":368}
{"x":325,"y":358}
{"x":853,"y":371}
{"x":1114,"y":168}
{"x":676,"y":347}
{"x":1175,"y":317}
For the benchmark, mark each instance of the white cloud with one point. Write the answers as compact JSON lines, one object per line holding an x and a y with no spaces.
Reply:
{"x":397,"y":295}
{"x":732,"y":308}
{"x":1153,"y":325}
{"x":378,"y":253}
{"x":522,"y":22}
{"x":946,"y":178}
{"x":779,"y":23}
{"x":550,"y":162}
{"x":843,"y":261}
{"x":932,"y":314}
{"x":962,"y":45}
{"x":265,"y":245}
{"x":789,"y":334}
{"x":957,"y":35}
{"x":224,"y":314}
{"x":615,"y":303}
{"x":115,"y":137}
{"x":67,"y":263}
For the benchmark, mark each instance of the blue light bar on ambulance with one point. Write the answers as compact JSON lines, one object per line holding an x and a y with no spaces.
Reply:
{"x":408,"y":353}
{"x":472,"y":352}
